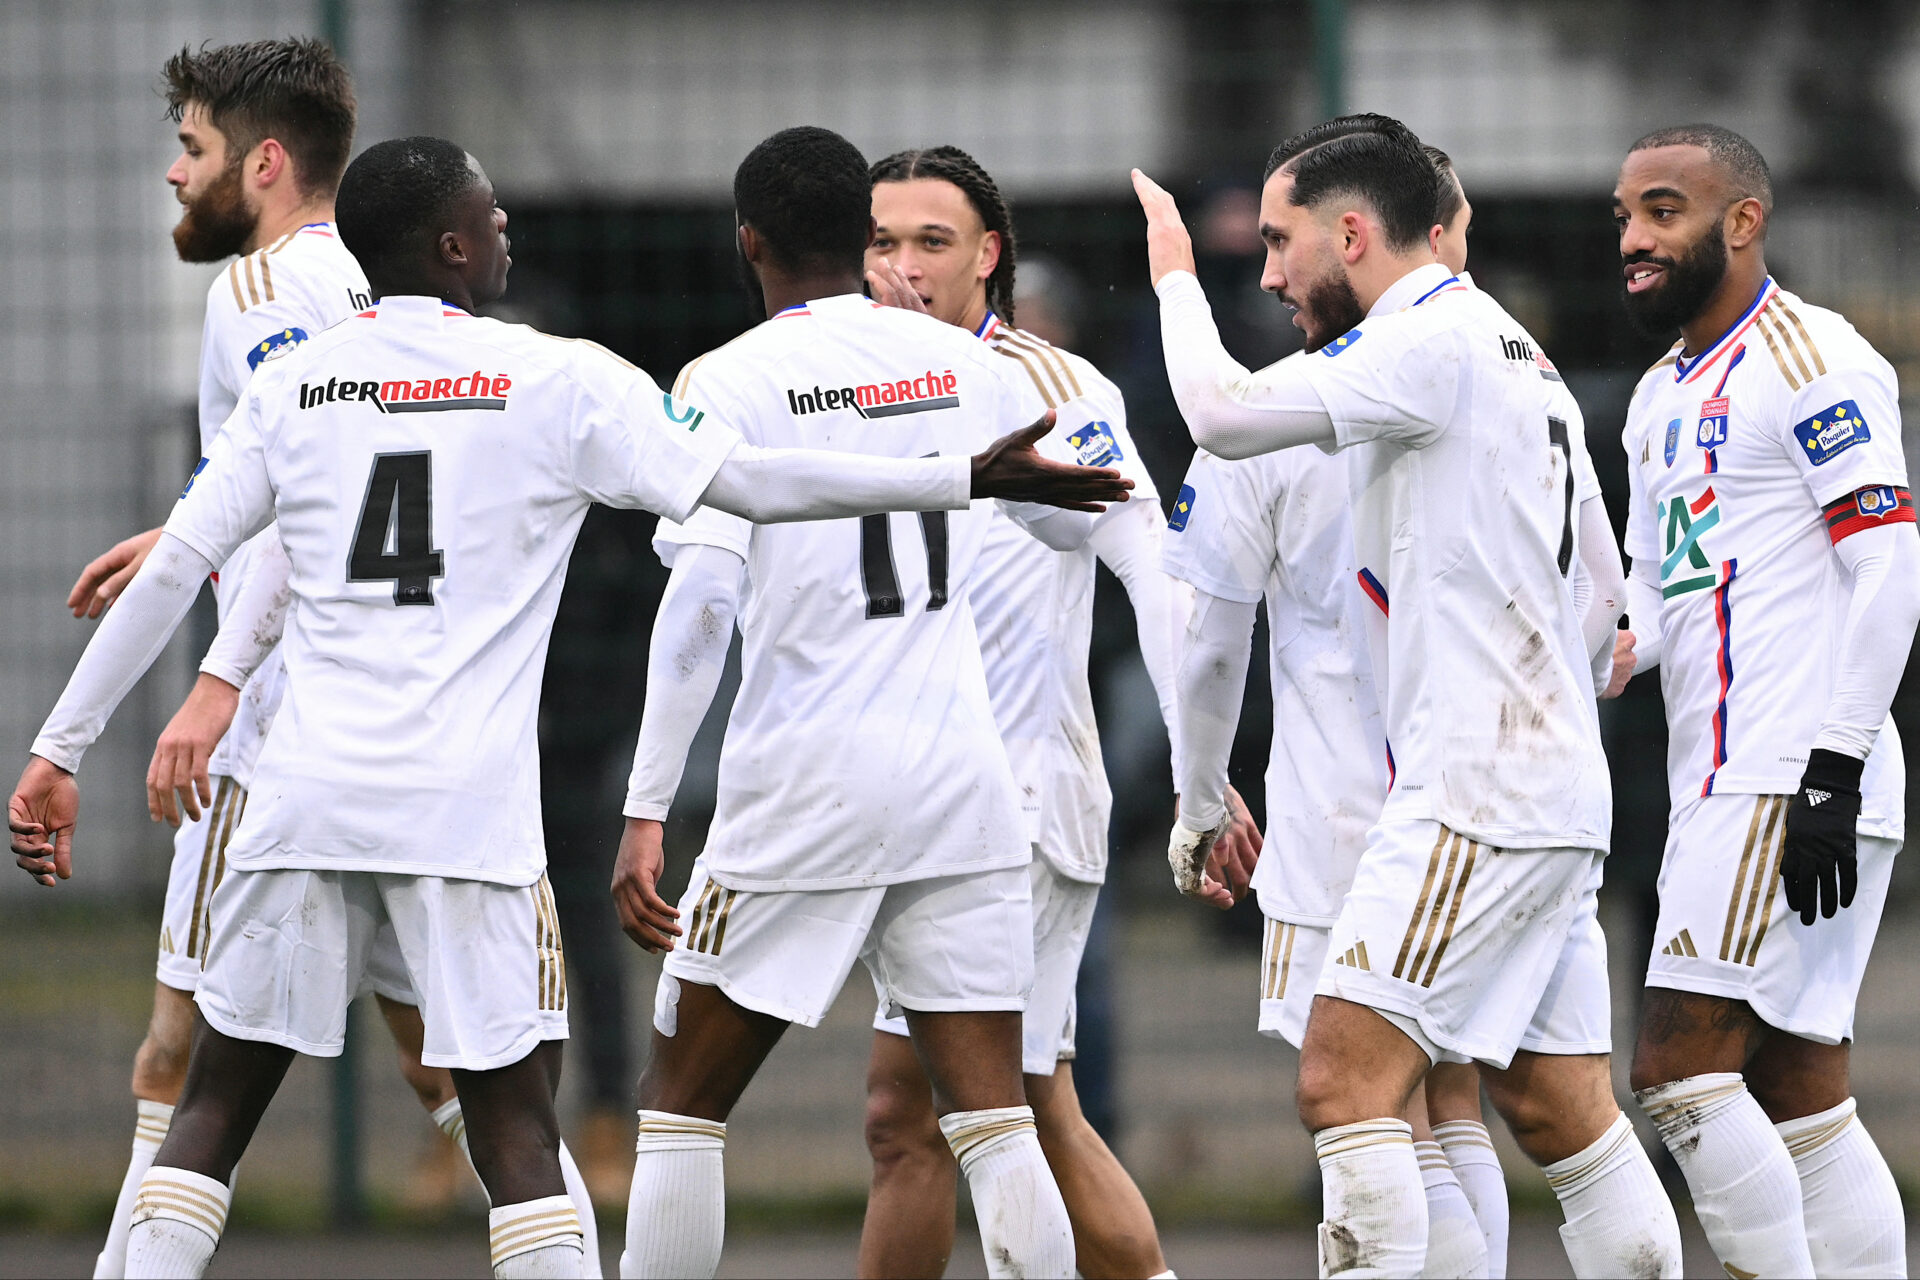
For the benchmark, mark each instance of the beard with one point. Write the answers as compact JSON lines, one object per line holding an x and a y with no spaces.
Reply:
{"x":1331,"y":309}
{"x":1690,"y":282}
{"x":216,"y":223}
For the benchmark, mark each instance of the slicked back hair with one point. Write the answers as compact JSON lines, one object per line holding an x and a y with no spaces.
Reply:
{"x":294,"y":91}
{"x":397,"y":197}
{"x":1740,"y":160}
{"x":1452,"y":195}
{"x":806,"y":194}
{"x":1372,"y":158}
{"x":951,"y":164}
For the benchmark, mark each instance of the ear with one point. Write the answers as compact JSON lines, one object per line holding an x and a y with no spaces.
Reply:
{"x":452,"y":251}
{"x":1433,"y":239}
{"x":1746,"y":223}
{"x":749,"y":242}
{"x":269,"y":163}
{"x":989,"y":255}
{"x":1354,"y":234}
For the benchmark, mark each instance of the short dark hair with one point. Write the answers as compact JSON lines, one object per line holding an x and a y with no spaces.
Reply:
{"x":1452,"y":194}
{"x":294,"y":91}
{"x":1740,"y":160}
{"x":1370,"y":157}
{"x":951,"y":164}
{"x":806,"y":193}
{"x":394,"y":193}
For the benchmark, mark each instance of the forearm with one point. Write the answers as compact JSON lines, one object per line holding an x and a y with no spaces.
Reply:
{"x":1643,"y":613}
{"x":1882,"y":614}
{"x":1230,"y":412}
{"x":685,"y":658}
{"x":769,"y":486}
{"x":1606,"y":579}
{"x":1211,"y":681}
{"x":257,"y":616}
{"x":131,"y":636}
{"x":1060,"y":529}
{"x":1128,"y":542}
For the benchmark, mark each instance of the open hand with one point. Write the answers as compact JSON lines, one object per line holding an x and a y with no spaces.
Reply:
{"x":645,"y":916}
{"x":102,"y":581}
{"x":890,"y":288}
{"x":1011,"y":468}
{"x":1169,"y":247}
{"x":40,"y":820}
{"x":177,"y":777}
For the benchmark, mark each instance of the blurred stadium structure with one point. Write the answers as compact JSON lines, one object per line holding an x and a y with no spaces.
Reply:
{"x":611,"y":130}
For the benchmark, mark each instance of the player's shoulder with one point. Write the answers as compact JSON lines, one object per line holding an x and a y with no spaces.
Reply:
{"x":305,"y":278}
{"x":1806,"y":341}
{"x":1060,"y":374}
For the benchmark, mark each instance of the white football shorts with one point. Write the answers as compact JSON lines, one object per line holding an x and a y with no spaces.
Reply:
{"x":952,"y":944}
{"x":1062,"y":917}
{"x":1291,"y":957}
{"x":1473,"y":949}
{"x":290,"y":948}
{"x":1725,"y":929}
{"x":199,"y":865}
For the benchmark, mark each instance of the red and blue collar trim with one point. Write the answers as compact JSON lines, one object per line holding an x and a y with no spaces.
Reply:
{"x":1685,"y":370}
{"x":797,"y":309}
{"x":988,"y":327}
{"x":1443,"y":287}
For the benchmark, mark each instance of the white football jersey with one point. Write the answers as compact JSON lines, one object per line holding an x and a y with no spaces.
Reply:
{"x":861,"y":749}
{"x":1033,"y":607}
{"x":1465,"y":473}
{"x":429,"y":470}
{"x":263,"y":303}
{"x":1276,"y":527}
{"x":1747,"y":464}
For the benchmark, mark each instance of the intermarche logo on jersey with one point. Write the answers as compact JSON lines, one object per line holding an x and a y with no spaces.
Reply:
{"x":920,"y":394}
{"x":416,"y":395}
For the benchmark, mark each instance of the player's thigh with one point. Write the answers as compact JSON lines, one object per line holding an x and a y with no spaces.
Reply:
{"x":900,"y":1115}
{"x":286,"y":954}
{"x":1451,"y":940}
{"x":1792,"y":1077}
{"x":1556,"y":1105}
{"x":1062,"y":918}
{"x":1453,"y":1092}
{"x":486,"y":963}
{"x":1355,"y":1065}
{"x":199,"y":862}
{"x":972,"y":1058}
{"x":1291,"y":956}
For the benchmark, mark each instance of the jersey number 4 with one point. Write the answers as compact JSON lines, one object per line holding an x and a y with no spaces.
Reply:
{"x":394,"y":540}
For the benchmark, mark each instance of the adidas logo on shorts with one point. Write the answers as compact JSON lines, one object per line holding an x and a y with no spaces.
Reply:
{"x":1356,"y":957}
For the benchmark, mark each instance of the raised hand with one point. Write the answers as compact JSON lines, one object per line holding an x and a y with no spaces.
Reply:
{"x":40,"y":820}
{"x":102,"y":581}
{"x":1011,"y":468}
{"x":890,"y":288}
{"x":177,"y":777}
{"x":645,"y":916}
{"x":1169,"y":247}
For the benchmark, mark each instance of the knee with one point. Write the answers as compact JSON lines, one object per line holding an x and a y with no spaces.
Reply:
{"x":432,"y":1085}
{"x":902,"y":1131}
{"x":1323,"y":1096}
{"x":159,"y":1066}
{"x":1651,"y":1068}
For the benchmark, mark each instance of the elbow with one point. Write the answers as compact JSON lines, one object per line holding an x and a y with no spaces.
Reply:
{"x":1220,"y":439}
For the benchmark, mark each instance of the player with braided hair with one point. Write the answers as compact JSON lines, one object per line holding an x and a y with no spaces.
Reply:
{"x":944,"y":245}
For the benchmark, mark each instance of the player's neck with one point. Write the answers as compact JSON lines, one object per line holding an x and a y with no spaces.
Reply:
{"x":1736,"y":293}
{"x":975,"y":314}
{"x":275,"y":223}
{"x":1373,"y":275}
{"x":780,"y":290}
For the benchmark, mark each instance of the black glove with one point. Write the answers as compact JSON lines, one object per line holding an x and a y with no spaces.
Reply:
{"x":1818,"y":863}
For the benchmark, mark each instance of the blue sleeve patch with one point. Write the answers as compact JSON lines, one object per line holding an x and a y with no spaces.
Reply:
{"x":274,"y":346}
{"x":198,"y":468}
{"x":1095,"y":446}
{"x":679,"y":411}
{"x":1341,"y":343}
{"x":1832,"y":432}
{"x":1182,"y":508}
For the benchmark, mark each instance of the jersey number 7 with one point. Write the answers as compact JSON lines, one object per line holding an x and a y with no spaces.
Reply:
{"x":394,"y":539}
{"x":1557,"y":439}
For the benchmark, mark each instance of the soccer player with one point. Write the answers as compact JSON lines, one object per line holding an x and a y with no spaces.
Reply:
{"x":944,"y":244}
{"x":1469,"y":926}
{"x":427,"y":554}
{"x":265,"y":130}
{"x":1774,"y":582}
{"x":866,"y":808}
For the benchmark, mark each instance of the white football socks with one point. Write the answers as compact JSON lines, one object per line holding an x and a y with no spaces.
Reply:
{"x":1745,"y":1191}
{"x":1855,"y":1225}
{"x":1023,"y":1221}
{"x":677,"y":1209}
{"x":1476,"y":1164}
{"x":149,"y":1131}
{"x":1455,"y":1248}
{"x":178,"y":1216}
{"x":535,"y":1239}
{"x":453,"y":1122}
{"x":1375,"y":1205}
{"x":1619,"y":1220}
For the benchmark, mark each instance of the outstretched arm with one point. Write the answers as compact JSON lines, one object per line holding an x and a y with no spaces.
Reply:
{"x":1128,"y":543}
{"x":684,"y":662}
{"x":1212,"y":680}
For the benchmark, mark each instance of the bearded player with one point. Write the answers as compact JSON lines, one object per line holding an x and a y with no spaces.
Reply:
{"x":1774,"y":582}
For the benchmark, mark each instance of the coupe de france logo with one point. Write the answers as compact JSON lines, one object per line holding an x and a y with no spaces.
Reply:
{"x":274,"y":346}
{"x":1831,"y":432}
{"x":1095,"y":446}
{"x":1340,"y":343}
{"x":1182,"y":509}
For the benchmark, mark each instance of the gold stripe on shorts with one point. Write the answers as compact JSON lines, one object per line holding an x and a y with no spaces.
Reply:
{"x":552,"y":956}
{"x":1770,"y":871}
{"x":203,"y":887}
{"x":1755,"y":863}
{"x":1279,"y":959}
{"x":1420,"y":904}
{"x":1447,"y":901}
{"x":1453,"y":912}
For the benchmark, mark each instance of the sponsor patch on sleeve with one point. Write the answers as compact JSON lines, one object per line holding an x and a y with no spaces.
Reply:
{"x":198,"y":468}
{"x":1868,"y":508}
{"x":1182,"y":508}
{"x":1341,"y":343}
{"x":1832,"y":431}
{"x":681,"y":412}
{"x":1095,"y":446}
{"x":274,"y":345}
